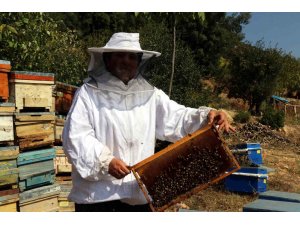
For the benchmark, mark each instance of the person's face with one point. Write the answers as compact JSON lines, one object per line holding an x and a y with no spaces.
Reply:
{"x":123,"y":65}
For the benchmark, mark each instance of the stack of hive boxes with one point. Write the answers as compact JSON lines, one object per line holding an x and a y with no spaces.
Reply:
{"x":63,"y":94}
{"x":252,"y":177}
{"x":9,"y":192}
{"x":34,"y":129}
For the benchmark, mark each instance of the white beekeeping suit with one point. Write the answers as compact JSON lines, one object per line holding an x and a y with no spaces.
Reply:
{"x":111,"y":119}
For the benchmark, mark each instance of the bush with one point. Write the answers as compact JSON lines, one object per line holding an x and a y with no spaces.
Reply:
{"x":35,"y":42}
{"x":273,"y":118}
{"x":242,"y":117}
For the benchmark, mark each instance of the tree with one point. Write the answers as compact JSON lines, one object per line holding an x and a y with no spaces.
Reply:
{"x":41,"y":44}
{"x":289,"y":80}
{"x":254,"y":72}
{"x":187,"y":88}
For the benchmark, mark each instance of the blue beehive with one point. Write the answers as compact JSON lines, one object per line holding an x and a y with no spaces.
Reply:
{"x":248,"y":180}
{"x":280,"y":196}
{"x":264,"y":205}
{"x":248,"y":154}
{"x":36,"y":168}
{"x":29,"y":157}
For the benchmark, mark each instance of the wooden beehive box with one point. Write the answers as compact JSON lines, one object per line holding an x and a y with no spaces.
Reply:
{"x":36,"y":156}
{"x":8,"y":173}
{"x":4,"y":93}
{"x":64,"y":204}
{"x":34,"y":130}
{"x":7,"y":107}
{"x":31,"y":91}
{"x":6,"y":127}
{"x":61,"y":163}
{"x":36,"y":174}
{"x":64,"y":94}
{"x":59,"y":126}
{"x":8,"y":200}
{"x":42,"y":199}
{"x":184,"y":168}
{"x":5,"y":67}
{"x":9,"y":152}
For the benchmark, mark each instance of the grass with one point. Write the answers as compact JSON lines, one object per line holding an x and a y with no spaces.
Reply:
{"x":284,"y":159}
{"x":292,"y":121}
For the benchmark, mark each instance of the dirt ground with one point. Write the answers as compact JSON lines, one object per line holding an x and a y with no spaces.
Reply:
{"x":284,"y":160}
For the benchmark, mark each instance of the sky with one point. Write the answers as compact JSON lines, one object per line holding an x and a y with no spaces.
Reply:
{"x":281,"y":28}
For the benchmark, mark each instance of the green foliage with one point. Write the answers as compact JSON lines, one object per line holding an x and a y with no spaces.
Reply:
{"x":187,"y":89}
{"x":289,"y":79}
{"x":208,"y":45}
{"x":87,"y":23}
{"x":242,"y":117}
{"x":273,"y":118}
{"x":34,"y":42}
{"x":254,"y":71}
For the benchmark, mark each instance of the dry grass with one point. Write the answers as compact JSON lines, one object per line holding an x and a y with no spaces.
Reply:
{"x":283,"y":158}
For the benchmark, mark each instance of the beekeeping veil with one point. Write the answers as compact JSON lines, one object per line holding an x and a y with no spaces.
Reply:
{"x":139,"y":88}
{"x":119,"y":42}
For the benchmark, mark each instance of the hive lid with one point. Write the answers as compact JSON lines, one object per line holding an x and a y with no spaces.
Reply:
{"x":34,"y":76}
{"x":33,"y":73}
{"x":4,"y":62}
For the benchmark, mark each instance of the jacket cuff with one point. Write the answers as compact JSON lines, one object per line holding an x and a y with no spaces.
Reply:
{"x":203,"y":116}
{"x":104,"y":159}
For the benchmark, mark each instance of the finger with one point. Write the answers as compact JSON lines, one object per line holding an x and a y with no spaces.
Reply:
{"x":124,"y":167}
{"x":118,"y":174}
{"x":211,"y":116}
{"x":220,"y":121}
{"x":221,"y":127}
{"x":124,"y":171}
{"x":232,"y":129}
{"x":227,"y":127}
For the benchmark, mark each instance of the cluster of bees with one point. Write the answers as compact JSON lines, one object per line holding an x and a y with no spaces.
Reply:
{"x":198,"y":166}
{"x":243,"y":159}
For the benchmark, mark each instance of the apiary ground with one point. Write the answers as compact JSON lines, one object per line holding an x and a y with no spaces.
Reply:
{"x":281,"y":152}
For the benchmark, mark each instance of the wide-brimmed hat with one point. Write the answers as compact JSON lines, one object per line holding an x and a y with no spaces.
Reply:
{"x":124,"y":42}
{"x":119,"y":42}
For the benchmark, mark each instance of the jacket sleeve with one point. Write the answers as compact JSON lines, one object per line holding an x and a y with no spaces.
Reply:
{"x":86,"y":153}
{"x":174,"y":121}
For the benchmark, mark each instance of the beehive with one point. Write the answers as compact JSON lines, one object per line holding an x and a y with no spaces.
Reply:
{"x":64,"y":94}
{"x":5,"y":67}
{"x":7,"y":107}
{"x":8,"y":173}
{"x":184,"y":168}
{"x":8,"y":200}
{"x":61,"y":163}
{"x":59,"y":126}
{"x":248,"y":154}
{"x":64,"y":204}
{"x":42,"y":199}
{"x":34,"y":130}
{"x":9,"y":191}
{"x":36,"y":174}
{"x":248,"y":180}
{"x":6,"y":127}
{"x":31,"y":91}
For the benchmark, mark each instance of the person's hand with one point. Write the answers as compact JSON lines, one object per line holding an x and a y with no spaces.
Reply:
{"x":220,"y":119}
{"x":117,"y":168}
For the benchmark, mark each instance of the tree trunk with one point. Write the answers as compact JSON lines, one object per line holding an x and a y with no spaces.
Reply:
{"x":173,"y":60}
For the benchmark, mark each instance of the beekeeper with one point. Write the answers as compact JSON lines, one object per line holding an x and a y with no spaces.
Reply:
{"x":115,"y":118}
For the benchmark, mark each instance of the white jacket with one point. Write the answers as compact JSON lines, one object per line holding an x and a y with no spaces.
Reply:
{"x":110,"y":119}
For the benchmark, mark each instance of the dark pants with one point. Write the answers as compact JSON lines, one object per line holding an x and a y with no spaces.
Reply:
{"x":112,"y":206}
